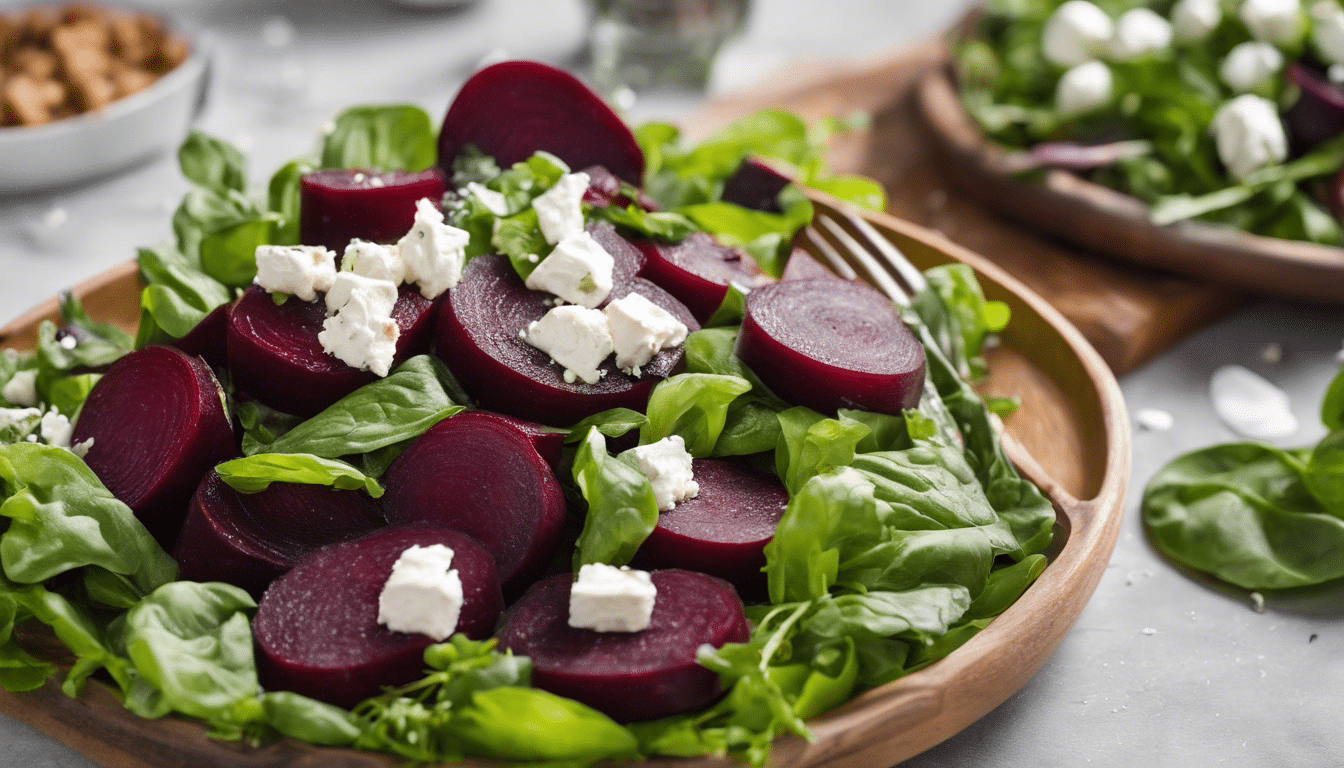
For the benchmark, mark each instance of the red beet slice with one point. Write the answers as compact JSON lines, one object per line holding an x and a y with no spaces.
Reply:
{"x":317,"y":630}
{"x":249,"y":539}
{"x":831,"y":344}
{"x":604,"y":189}
{"x":339,"y":205}
{"x":478,"y":328}
{"x":511,"y":110}
{"x":549,"y":443}
{"x":629,"y":675}
{"x":628,"y":261}
{"x":157,"y":423}
{"x":477,"y":474}
{"x":275,"y":356}
{"x":209,"y":338}
{"x":755,"y":185}
{"x":698,"y":270}
{"x":1318,"y":113}
{"x":803,"y":266}
{"x":722,"y":531}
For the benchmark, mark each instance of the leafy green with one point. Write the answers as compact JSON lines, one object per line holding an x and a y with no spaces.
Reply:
{"x":959,"y":317}
{"x":177,"y":295}
{"x":622,"y":511}
{"x":418,"y":394}
{"x":283,"y":199}
{"x":514,"y":723}
{"x":212,"y":163}
{"x":389,"y":137}
{"x":694,"y":406}
{"x":251,"y":474}
{"x":811,"y":444}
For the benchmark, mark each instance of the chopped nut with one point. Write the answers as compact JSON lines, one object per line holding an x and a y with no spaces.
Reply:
{"x":174,"y":51}
{"x":34,"y":62}
{"x":24,"y":100}
{"x":91,"y":90}
{"x":131,"y":80}
{"x":78,"y":12}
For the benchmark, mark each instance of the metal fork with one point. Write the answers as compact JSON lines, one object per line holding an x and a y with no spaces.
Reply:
{"x":853,"y":248}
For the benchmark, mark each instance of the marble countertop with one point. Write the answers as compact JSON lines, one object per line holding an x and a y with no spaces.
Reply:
{"x":1164,"y":668}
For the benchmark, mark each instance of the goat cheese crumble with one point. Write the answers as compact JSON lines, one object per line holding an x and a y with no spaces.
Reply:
{"x":668,"y":467}
{"x":423,"y":594}
{"x":577,"y":338}
{"x":359,"y":329}
{"x":560,"y":208}
{"x":1078,"y":31}
{"x":299,"y":270}
{"x":433,"y":251}
{"x":641,"y":329}
{"x":609,"y":599}
{"x":579,"y":271}
{"x":1249,"y":135}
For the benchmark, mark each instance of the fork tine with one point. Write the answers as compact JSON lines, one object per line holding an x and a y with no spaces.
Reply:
{"x":875,"y":242}
{"x":815,"y":244}
{"x":870,"y":265}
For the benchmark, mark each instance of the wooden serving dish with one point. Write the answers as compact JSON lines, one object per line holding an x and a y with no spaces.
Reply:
{"x":1073,"y":435}
{"x":1069,"y":207}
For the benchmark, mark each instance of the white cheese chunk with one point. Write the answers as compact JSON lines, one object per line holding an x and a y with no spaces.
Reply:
{"x":668,"y":467}
{"x":610,"y":599}
{"x":1251,"y":66}
{"x":21,"y":389}
{"x":81,"y":449}
{"x":1327,"y":31}
{"x":641,"y":329}
{"x":299,"y":270}
{"x":1194,"y":20}
{"x":359,"y":329}
{"x":1275,"y":21}
{"x":495,"y":202}
{"x":1154,"y":419}
{"x":380,"y":262}
{"x":1084,"y":88}
{"x":56,"y":429}
{"x":423,"y":594}
{"x":1249,"y":135}
{"x":559,"y":209}
{"x":434,"y":252}
{"x":579,"y":271}
{"x":1251,"y":405}
{"x":1138,"y":32}
{"x":1076,"y":32}
{"x":576,"y":338}
{"x":23,"y":418}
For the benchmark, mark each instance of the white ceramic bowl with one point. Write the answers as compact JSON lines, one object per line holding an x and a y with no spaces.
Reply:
{"x":130,"y":130}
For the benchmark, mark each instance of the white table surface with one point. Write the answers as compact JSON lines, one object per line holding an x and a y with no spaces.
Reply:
{"x":1163,"y":669}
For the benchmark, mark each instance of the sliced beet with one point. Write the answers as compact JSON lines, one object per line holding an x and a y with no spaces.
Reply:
{"x":317,"y":630}
{"x":209,"y":339}
{"x":627,"y":260}
{"x":249,"y":539}
{"x":340,"y":205}
{"x":548,"y":442}
{"x":511,"y":110}
{"x":604,"y":189}
{"x":477,"y":474}
{"x":158,"y":425}
{"x":478,"y":328}
{"x":629,"y":675}
{"x":830,"y":344}
{"x":275,"y":357}
{"x":698,"y":270}
{"x":755,"y":185}
{"x":723,"y":530}
{"x":803,"y":266}
{"x":1318,"y":113}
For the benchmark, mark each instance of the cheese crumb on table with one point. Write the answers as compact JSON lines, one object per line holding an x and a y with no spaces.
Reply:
{"x":669,"y":469}
{"x":610,"y":599}
{"x":299,"y":270}
{"x":423,"y":594}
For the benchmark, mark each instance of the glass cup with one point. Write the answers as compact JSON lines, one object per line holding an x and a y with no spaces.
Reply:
{"x":651,"y":44}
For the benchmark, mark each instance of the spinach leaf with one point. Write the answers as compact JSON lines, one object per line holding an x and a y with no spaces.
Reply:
{"x":612,"y":423}
{"x":61,"y":517}
{"x":622,"y":511}
{"x":694,"y":406}
{"x":418,"y":394}
{"x":212,"y":163}
{"x":72,"y":625}
{"x":391,"y":137}
{"x":229,"y":254}
{"x":177,"y":295}
{"x":810,"y":444}
{"x":831,"y":519}
{"x":513,"y":723}
{"x":255,"y":473}
{"x":1242,"y":512}
{"x":957,"y":314}
{"x":283,"y":198}
{"x":919,"y":614}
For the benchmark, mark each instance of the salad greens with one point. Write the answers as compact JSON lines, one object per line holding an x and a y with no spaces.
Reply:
{"x":1157,"y":117}
{"x":904,"y":535}
{"x":1255,"y":515}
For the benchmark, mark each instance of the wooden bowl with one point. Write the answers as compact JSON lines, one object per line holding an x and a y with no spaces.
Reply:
{"x":1072,"y":439}
{"x":1071,"y":208}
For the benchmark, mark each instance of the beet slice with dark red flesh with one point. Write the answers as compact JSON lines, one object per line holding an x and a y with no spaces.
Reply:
{"x":340,"y":205}
{"x":549,"y":443}
{"x":209,"y":339}
{"x":478,"y":328}
{"x":250,"y":539}
{"x":477,"y":474}
{"x":275,"y":357}
{"x":803,"y":266}
{"x":1318,"y":113}
{"x":629,"y":675}
{"x":513,"y":109}
{"x":158,"y":425}
{"x":831,"y":344}
{"x":317,"y":630}
{"x":698,"y":270}
{"x":604,"y":189}
{"x":723,"y":530}
{"x":755,"y":185}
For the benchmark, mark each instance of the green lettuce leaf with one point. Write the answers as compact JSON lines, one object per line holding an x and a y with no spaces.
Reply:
{"x":255,"y":473}
{"x":622,"y":511}
{"x":387,"y":137}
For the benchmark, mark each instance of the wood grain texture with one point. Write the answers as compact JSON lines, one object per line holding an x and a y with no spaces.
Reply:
{"x":1128,"y":312}
{"x":1071,"y":437}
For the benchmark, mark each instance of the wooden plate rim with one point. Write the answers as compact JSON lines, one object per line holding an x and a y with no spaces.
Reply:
{"x":878,"y":728}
